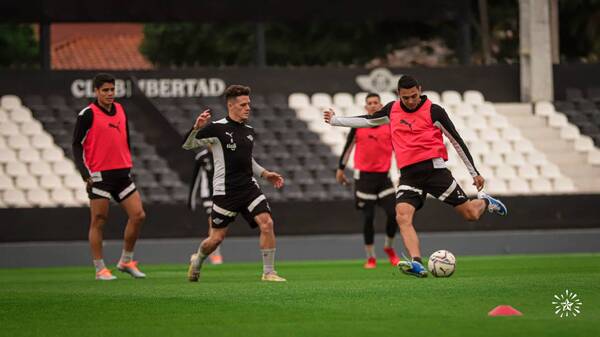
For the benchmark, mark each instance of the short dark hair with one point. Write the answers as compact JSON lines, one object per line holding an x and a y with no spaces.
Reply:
{"x":236,"y":90}
{"x":372,"y":94}
{"x":407,"y":82}
{"x":102,"y":78}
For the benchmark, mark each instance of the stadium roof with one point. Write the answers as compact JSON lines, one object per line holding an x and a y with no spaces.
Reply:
{"x":226,"y":10}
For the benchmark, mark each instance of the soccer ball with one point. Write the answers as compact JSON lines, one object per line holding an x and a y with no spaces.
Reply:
{"x":442,"y":263}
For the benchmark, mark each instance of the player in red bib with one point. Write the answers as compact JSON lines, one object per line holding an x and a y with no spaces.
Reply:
{"x":372,"y":161}
{"x":103,"y":158}
{"x":417,"y":126}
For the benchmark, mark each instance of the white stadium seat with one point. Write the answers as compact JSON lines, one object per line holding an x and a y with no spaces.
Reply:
{"x":40,"y":168}
{"x":298,"y":101}
{"x":518,"y":186}
{"x":18,"y":142}
{"x":63,"y":167}
{"x":360,"y":98}
{"x":557,"y":120}
{"x":15,"y":198}
{"x":584,"y":144}
{"x":42,"y":141}
{"x":479,"y":148}
{"x":63,"y":197}
{"x":81,"y":196}
{"x":451,"y":97}
{"x":29,"y":156}
{"x":310,"y":113}
{"x":16,"y":169}
{"x":496,"y":186}
{"x":31,"y":128}
{"x":490,"y":135}
{"x":537,"y":158}
{"x":528,"y":172}
{"x":73,"y":181}
{"x":50,"y":181}
{"x":493,"y":159}
{"x":511,"y":133}
{"x":53,"y":154}
{"x":387,"y":97}
{"x":7,"y":156}
{"x":6,"y":183}
{"x":505,"y":172}
{"x":477,"y":122}
{"x":463,"y":110}
{"x":544,"y":109}
{"x":473,"y":97}
{"x":498,"y":122}
{"x":21,"y":115}
{"x":569,"y":132}
{"x":9,"y":129}
{"x":524,"y":146}
{"x":3,"y":144}
{"x":10,"y":102}
{"x":486,"y":109}
{"x":39,"y":198}
{"x":541,"y":185}
{"x":343,"y":100}
{"x":501,"y":146}
{"x":321,"y":100}
{"x":563,"y":184}
{"x":433,"y":96}
{"x":515,"y":159}
{"x":550,"y":171}
{"x":469,"y":135}
{"x":26,"y":182}
{"x":354,"y":110}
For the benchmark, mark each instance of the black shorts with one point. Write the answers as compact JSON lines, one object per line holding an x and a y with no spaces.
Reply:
{"x":115,"y":184}
{"x":249,"y":202}
{"x":418,"y":180}
{"x":373,"y":188}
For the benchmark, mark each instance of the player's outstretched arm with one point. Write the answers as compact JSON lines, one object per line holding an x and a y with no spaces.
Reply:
{"x":192,"y":141}
{"x":381,"y":117}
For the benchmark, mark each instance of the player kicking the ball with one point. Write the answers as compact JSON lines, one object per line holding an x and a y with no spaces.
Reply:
{"x":417,"y":126}
{"x":234,"y":188}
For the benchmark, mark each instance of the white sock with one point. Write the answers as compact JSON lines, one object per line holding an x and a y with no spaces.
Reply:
{"x":268,"y":256}
{"x":389,"y":242}
{"x":99,"y":265}
{"x":126,"y":256}
{"x":370,"y":251}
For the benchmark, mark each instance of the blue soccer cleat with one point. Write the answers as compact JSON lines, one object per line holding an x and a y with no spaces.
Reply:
{"x":413,"y":268}
{"x":494,"y":205}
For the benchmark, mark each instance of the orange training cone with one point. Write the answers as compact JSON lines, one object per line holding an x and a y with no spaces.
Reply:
{"x":504,"y":310}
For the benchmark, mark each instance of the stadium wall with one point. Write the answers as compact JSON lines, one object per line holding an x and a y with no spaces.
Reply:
{"x":301,"y":218}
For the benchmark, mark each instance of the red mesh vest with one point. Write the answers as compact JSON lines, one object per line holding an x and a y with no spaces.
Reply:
{"x":105,"y":146}
{"x":373,"y":150}
{"x":414,"y":136}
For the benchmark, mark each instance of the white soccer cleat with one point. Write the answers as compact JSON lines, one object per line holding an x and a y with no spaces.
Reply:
{"x":131,"y":269}
{"x":272,"y":277}
{"x":105,"y":275}
{"x":194,"y":268}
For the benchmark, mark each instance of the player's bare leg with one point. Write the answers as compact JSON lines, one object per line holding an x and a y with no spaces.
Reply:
{"x":215,"y":257}
{"x":98,"y":215}
{"x":404,"y":216}
{"x":472,"y":209}
{"x":267,"y":247}
{"x":208,"y":245}
{"x":136,"y":216}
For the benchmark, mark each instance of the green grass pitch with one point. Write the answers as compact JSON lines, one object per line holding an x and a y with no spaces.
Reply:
{"x":329,"y":298}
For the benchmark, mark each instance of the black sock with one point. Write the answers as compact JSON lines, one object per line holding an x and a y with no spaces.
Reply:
{"x":418,"y":259}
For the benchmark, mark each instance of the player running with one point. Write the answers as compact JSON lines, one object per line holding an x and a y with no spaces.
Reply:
{"x":234,"y":188}
{"x":417,"y":126}
{"x":372,"y":161}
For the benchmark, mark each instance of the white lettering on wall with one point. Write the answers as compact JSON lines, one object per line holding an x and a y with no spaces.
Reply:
{"x":160,"y":88}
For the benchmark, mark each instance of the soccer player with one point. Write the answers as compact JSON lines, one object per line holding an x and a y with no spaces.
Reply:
{"x":372,"y":161}
{"x":202,"y":182}
{"x":417,"y":126}
{"x":234,"y":188}
{"x":103,"y":157}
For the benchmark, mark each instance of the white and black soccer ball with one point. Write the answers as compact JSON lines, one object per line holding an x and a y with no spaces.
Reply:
{"x":441,"y":263}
